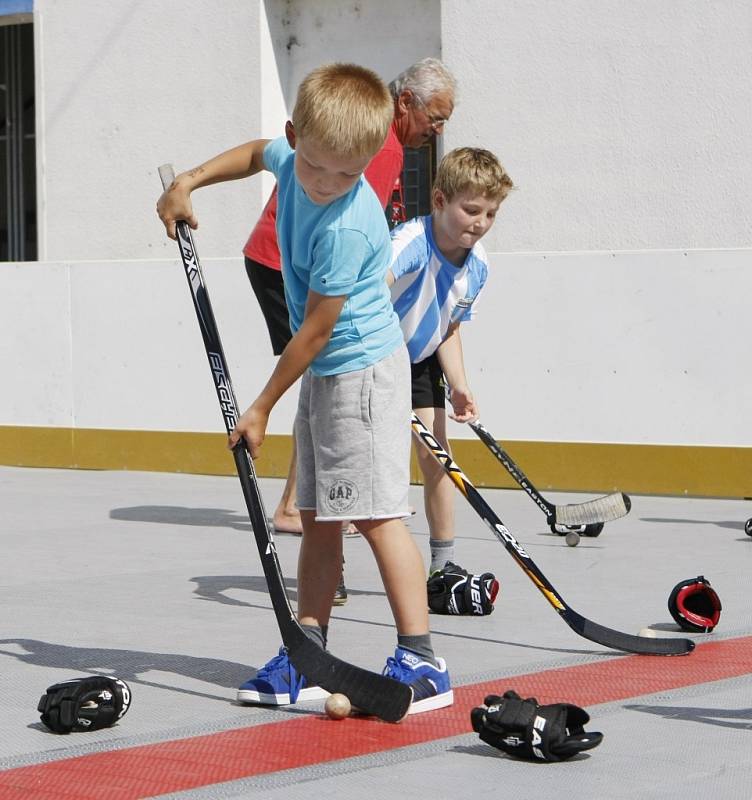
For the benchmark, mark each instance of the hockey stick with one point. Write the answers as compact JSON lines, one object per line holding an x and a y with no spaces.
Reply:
{"x":579,"y":624}
{"x":586,"y":518}
{"x":371,"y":693}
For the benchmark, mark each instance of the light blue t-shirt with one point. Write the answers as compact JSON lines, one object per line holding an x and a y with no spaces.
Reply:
{"x":342,"y":248}
{"x":430,"y":293}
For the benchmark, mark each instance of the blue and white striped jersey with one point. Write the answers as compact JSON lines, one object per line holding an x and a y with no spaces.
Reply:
{"x":429,"y":293}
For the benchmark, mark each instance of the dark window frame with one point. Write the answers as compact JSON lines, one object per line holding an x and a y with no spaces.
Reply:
{"x":18,"y":215}
{"x":417,"y":179}
{"x":412,"y":197}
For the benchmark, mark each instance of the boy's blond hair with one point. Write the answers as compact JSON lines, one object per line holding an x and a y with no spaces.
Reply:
{"x":472,"y":170}
{"x":344,"y":108}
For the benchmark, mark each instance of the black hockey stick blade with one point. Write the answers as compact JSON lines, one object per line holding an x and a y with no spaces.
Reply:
{"x":579,"y":624}
{"x":372,"y":693}
{"x":617,"y":640}
{"x":591,"y":512}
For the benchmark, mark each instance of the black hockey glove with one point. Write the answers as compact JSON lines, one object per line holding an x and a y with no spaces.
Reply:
{"x":525,"y":729}
{"x":452,"y":591}
{"x":84,"y":704}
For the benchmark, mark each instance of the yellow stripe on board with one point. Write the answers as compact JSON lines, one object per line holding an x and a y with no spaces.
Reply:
{"x":150,"y":451}
{"x":701,"y":471}
{"x":692,"y":470}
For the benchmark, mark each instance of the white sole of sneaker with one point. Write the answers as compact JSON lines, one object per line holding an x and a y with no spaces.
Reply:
{"x":432,"y":703}
{"x":262,"y":699}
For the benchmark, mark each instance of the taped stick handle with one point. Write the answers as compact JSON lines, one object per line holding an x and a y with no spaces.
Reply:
{"x":166,"y":175}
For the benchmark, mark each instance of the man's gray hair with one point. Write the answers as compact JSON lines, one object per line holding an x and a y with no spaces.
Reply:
{"x":425,"y":78}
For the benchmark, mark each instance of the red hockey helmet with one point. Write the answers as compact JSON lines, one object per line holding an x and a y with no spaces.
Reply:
{"x":695,"y":605}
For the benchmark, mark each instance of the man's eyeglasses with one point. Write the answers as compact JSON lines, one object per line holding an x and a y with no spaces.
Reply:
{"x":435,"y":122}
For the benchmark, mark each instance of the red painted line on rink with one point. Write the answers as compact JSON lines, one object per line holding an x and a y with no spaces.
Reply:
{"x":184,"y":764}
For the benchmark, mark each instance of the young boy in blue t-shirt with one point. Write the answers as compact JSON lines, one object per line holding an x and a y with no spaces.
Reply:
{"x":438,"y":271}
{"x":351,"y":429}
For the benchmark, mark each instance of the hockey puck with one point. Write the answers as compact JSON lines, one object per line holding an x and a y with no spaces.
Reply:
{"x":748,"y":527}
{"x":572,"y":539}
{"x":337,"y":706}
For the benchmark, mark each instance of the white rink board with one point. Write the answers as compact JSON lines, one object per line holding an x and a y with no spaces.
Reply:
{"x":640,"y":347}
{"x":643,"y":347}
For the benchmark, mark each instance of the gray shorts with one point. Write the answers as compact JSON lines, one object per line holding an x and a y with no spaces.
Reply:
{"x":353,"y":437}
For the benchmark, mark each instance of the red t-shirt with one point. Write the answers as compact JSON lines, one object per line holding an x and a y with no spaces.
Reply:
{"x":383,"y":170}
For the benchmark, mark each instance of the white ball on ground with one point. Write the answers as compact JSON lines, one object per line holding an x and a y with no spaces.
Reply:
{"x":648,"y":632}
{"x":572,"y":538}
{"x":337,"y":706}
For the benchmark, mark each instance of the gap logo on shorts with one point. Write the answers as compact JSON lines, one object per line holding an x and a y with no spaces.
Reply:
{"x":341,"y":496}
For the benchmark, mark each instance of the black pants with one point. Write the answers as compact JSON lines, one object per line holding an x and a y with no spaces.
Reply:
{"x":269,"y":290}
{"x":428,"y":383}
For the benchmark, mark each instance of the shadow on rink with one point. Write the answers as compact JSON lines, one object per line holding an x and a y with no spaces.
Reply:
{"x":734,"y":525}
{"x":722,"y":717}
{"x":214,"y":588}
{"x":183,"y":515}
{"x":130,"y":665}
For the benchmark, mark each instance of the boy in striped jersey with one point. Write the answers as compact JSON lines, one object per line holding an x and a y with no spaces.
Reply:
{"x":438,"y":271}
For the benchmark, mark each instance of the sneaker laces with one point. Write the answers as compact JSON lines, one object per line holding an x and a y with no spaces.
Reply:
{"x":394,"y":669}
{"x":281,"y":662}
{"x":423,"y":686}
{"x":274,"y":664}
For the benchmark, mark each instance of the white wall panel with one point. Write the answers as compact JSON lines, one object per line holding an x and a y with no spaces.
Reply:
{"x":614,"y":347}
{"x":35,"y":346}
{"x":128,"y":86}
{"x":625,"y":125}
{"x":139,"y":360}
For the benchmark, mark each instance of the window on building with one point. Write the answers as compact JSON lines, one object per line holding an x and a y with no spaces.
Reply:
{"x":412,"y":196}
{"x":417,"y":179}
{"x":18,"y":209}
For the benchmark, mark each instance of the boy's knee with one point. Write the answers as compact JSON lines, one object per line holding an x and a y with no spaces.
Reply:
{"x":325,"y":532}
{"x":374,"y":530}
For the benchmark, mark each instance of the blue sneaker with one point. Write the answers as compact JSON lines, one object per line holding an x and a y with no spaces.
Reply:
{"x":278,"y":683}
{"x":430,"y":685}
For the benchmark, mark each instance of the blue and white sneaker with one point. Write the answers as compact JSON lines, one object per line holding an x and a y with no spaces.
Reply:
{"x":278,"y":683}
{"x":430,"y":685}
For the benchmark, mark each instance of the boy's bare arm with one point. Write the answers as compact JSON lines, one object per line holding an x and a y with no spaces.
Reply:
{"x":321,"y":315}
{"x":452,"y":363}
{"x":451,"y":358}
{"x":175,"y":202}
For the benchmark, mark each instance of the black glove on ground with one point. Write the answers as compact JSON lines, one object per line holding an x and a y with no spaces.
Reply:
{"x":84,"y":704}
{"x":452,"y":591}
{"x":525,"y":729}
